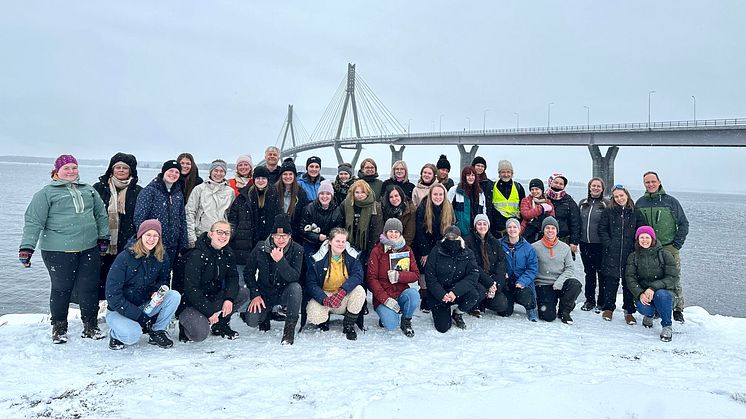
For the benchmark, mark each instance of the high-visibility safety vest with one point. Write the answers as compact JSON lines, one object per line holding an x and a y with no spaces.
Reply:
{"x":508,"y":207}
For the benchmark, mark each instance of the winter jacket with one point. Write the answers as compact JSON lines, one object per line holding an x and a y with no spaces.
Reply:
{"x":316,"y":273}
{"x":208,"y":203}
{"x":450,"y":272}
{"x":375,"y":227}
{"x":590,"y":216}
{"x":375,"y":184}
{"x":645,"y":270}
{"x":666,"y":216}
{"x":424,"y":242}
{"x":378,"y":279}
{"x":616,"y":231}
{"x":567,"y":214}
{"x":406,"y":186}
{"x":273,"y":276}
{"x":132,"y":281}
{"x":65,"y":217}
{"x":250,"y":223}
{"x":465,"y":222}
{"x":301,"y":202}
{"x":532,"y":214}
{"x":497,"y":220}
{"x":555,"y":267}
{"x":420,"y":192}
{"x":210,"y":277}
{"x":234,"y":185}
{"x":324,"y":219}
{"x":408,"y":220}
{"x":126,"y":220}
{"x":521,"y":262}
{"x":495,"y":260}
{"x":310,"y":187}
{"x":485,"y":183}
{"x":341,"y":189}
{"x":157,"y":202}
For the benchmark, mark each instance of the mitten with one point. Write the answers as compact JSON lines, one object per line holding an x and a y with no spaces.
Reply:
{"x":24,"y":256}
{"x":546,"y":207}
{"x":337,"y":297}
{"x":392,"y":304}
{"x":393,"y":276}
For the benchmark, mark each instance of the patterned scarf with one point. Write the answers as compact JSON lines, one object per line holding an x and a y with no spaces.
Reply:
{"x":117,"y":199}
{"x":389,"y":244}
{"x":554,"y":195}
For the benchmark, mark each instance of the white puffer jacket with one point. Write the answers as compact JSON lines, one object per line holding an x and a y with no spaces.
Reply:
{"x":208,"y":203}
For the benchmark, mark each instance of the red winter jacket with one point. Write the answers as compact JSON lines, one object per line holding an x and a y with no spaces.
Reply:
{"x":378,"y":279}
{"x":529,"y":211}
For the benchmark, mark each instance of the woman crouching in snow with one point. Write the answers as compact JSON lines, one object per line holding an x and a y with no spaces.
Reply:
{"x":134,"y":280}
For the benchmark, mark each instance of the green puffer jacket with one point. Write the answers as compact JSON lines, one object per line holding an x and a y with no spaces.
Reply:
{"x":645,"y":270}
{"x":664,"y":213}
{"x":69,"y":217}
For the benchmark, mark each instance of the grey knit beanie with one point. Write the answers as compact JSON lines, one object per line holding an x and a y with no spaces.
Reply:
{"x":393,"y":224}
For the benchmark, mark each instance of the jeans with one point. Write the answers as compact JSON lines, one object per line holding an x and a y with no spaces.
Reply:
{"x":662,"y":303}
{"x":409,"y":301}
{"x":128,"y":331}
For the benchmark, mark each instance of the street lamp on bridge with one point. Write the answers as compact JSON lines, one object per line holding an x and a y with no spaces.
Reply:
{"x":484,"y":120}
{"x":517,"y":120}
{"x":440,"y":124}
{"x":549,"y":113}
{"x":587,"y":116}
{"x":469,"y":121}
{"x":694,"y":99}
{"x":650,"y":93}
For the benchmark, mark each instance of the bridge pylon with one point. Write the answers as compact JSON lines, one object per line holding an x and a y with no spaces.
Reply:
{"x":289,"y":131}
{"x":396,"y":155}
{"x":466,"y":156}
{"x":603,"y":166}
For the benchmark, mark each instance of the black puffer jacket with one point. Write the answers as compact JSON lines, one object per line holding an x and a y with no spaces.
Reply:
{"x":126,"y":220}
{"x":424,"y":242}
{"x":616,"y":229}
{"x":495,"y":260}
{"x":250,"y":223}
{"x":300,"y":207}
{"x":325,"y":220}
{"x":273,"y":276}
{"x":446,"y":272}
{"x":210,"y":277}
{"x":567,"y":213}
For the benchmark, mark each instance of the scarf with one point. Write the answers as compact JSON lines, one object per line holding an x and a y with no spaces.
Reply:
{"x":389,"y":244}
{"x":117,"y":199}
{"x":359,"y":237}
{"x":555,"y":195}
{"x":549,"y":245}
{"x":241,"y":181}
{"x":390,"y":211}
{"x":484,"y":253}
{"x":535,"y":202}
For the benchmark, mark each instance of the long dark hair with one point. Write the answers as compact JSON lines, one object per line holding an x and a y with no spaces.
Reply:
{"x":390,"y":211}
{"x":471,"y":191}
{"x":603,"y":189}
{"x":281,"y":188}
{"x":188,"y":181}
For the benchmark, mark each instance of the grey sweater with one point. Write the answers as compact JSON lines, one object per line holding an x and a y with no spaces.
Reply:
{"x":556,"y":269}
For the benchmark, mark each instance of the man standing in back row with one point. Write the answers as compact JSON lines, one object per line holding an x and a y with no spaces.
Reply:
{"x":664,"y":213}
{"x":505,"y":195}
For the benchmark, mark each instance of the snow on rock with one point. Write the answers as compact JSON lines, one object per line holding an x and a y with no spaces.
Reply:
{"x":498,"y":367}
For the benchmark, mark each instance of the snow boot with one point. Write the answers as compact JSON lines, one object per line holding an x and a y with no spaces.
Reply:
{"x":59,"y":331}
{"x":565,"y":317}
{"x":265,"y":325}
{"x":115,"y":344}
{"x":607,"y":315}
{"x":598,"y":309}
{"x":288,"y":333}
{"x":630,"y":319}
{"x":423,"y":301}
{"x":458,"y":319}
{"x":223,"y":329}
{"x":348,"y":325}
{"x":647,"y":322}
{"x":406,"y":327}
{"x":475,"y":313}
{"x":678,"y":315}
{"x":160,"y":339}
{"x":588,"y":306}
{"x":91,"y":330}
{"x":533,"y":314}
{"x":666,"y":334}
{"x":182,"y":335}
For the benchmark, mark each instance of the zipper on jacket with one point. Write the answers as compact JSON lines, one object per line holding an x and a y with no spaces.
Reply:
{"x":588,"y":227}
{"x":621,"y":247}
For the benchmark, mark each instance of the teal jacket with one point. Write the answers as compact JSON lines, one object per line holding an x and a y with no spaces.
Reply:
{"x":664,"y":213}
{"x":65,"y":217}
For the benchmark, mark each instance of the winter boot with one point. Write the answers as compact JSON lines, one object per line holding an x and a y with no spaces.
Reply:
{"x":666,"y":334}
{"x":475,"y":313}
{"x":533,"y":314}
{"x":182,"y":335}
{"x":630,"y":319}
{"x":458,"y":319}
{"x":115,"y":344}
{"x":91,"y":330}
{"x":266,"y":324}
{"x":406,"y":327}
{"x":324,"y":327}
{"x":160,"y":339}
{"x":565,"y":317}
{"x":288,"y":333}
{"x":223,"y":329}
{"x":59,"y":331}
{"x":678,"y":315}
{"x":598,"y":309}
{"x":423,"y":301}
{"x":348,"y":325}
{"x":647,"y":322}
{"x":588,"y":306}
{"x":607,"y":315}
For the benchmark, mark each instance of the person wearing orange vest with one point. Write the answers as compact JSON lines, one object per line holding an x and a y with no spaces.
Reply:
{"x":505,"y":196}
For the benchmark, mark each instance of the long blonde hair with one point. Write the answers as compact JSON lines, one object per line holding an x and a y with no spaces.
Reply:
{"x":140,"y":251}
{"x":447,"y":217}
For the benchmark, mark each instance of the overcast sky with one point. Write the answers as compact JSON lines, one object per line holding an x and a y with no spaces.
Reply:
{"x":215,"y":78}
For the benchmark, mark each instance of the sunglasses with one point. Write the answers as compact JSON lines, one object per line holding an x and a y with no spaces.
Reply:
{"x":618,"y":186}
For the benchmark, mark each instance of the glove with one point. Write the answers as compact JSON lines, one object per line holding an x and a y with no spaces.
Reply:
{"x":335,"y":300}
{"x":392,"y":304}
{"x":146,"y":322}
{"x":24,"y":256}
{"x":546,"y":207}
{"x":316,"y":229}
{"x":393,"y":276}
{"x":103,"y":246}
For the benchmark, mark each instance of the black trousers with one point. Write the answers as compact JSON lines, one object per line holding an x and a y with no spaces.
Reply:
{"x":611,"y":286}
{"x":290,"y":297}
{"x":68,"y":270}
{"x":442,"y":312}
{"x":592,"y":255}
{"x":522,"y":296}
{"x":547,"y":298}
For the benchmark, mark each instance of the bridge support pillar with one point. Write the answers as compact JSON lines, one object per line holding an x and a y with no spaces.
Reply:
{"x":466,"y":156}
{"x":340,"y":159}
{"x":603,"y":166}
{"x":396,"y":155}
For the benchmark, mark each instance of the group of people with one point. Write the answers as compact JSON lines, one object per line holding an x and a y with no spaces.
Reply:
{"x":271,"y":244}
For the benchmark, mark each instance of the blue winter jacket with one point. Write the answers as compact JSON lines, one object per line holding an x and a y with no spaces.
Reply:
{"x":311,"y":188}
{"x":131,"y":282}
{"x":156,"y":202}
{"x":316,"y":274}
{"x":521,"y":263}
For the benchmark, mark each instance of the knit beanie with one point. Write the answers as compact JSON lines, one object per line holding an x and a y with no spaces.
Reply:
{"x":536,"y":183}
{"x":481,"y":217}
{"x":443,"y":163}
{"x":313,"y":159}
{"x":452,"y":231}
{"x":63,"y":160}
{"x":556,"y":175}
{"x":148,"y":225}
{"x":479,"y":159}
{"x":645,"y":230}
{"x":345,"y":167}
{"x":244,"y":158}
{"x":393,"y":224}
{"x":326,"y":186}
{"x":288,"y":165}
{"x":504,"y":165}
{"x":550,"y":221}
{"x":513,"y":221}
{"x":218,"y":163}
{"x":261,"y":171}
{"x":282,"y":224}
{"x":170,"y":164}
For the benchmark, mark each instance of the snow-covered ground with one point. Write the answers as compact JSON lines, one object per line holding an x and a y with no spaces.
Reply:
{"x":498,"y":367}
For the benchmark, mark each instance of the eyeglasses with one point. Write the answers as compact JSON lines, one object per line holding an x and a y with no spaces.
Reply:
{"x":222,"y":232}
{"x":281,"y":236}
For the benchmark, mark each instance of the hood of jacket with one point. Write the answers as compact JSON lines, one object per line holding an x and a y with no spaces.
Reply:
{"x":129,"y":159}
